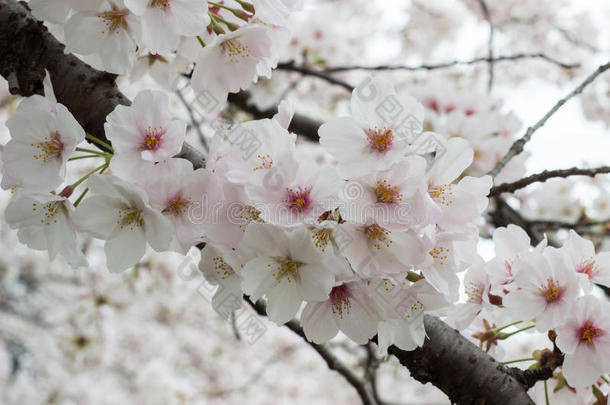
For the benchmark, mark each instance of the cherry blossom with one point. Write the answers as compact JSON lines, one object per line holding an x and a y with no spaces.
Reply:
{"x":120,"y":214}
{"x":546,"y":289}
{"x":105,"y":33}
{"x":146,"y":129}
{"x":164,"y":21}
{"x":369,"y":140}
{"x":585,"y":340}
{"x":288,"y":269}
{"x":43,"y":136}
{"x":580,"y":254}
{"x":230,"y":62}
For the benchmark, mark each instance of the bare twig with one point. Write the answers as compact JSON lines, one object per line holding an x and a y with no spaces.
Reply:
{"x":517,"y":146}
{"x":445,"y":65}
{"x":194,"y":123}
{"x":304,"y":70}
{"x":490,"y":44}
{"x":331,"y":360}
{"x":544,"y":176}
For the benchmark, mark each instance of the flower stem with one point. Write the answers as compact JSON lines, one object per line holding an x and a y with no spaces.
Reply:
{"x":86,"y":176}
{"x":518,"y":360}
{"x":201,"y":41}
{"x":507,"y":335}
{"x":546,"y":394}
{"x":99,"y":142}
{"x":506,"y":326}
{"x":86,"y":156}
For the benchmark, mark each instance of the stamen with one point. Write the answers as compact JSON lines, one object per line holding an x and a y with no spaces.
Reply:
{"x":223,"y":270}
{"x":378,"y":236}
{"x":588,"y":332}
{"x":440,"y":253}
{"x":386,"y":193}
{"x":153,"y":138}
{"x":442,"y":194}
{"x":266,"y":162}
{"x":298,"y":198}
{"x":340,"y":300}
{"x":50,"y":210}
{"x":130,"y":217}
{"x":162,"y":4}
{"x":235,"y":50}
{"x":552,"y":292}
{"x":380,"y":139}
{"x":114,"y":19}
{"x":248,"y":215}
{"x":321,"y":238}
{"x":284,"y":268}
{"x":50,"y":148}
{"x":177,"y":205}
{"x":588,"y":267}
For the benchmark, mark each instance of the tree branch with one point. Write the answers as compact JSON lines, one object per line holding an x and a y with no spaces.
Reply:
{"x":490,"y":44}
{"x":27,"y":49}
{"x":292,"y":67}
{"x":331,"y":360}
{"x":517,"y":146}
{"x":544,"y":176}
{"x":445,"y":65}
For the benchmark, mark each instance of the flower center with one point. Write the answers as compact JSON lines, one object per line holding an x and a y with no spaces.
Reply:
{"x":162,"y":4}
{"x":50,"y":148}
{"x":340,"y":300}
{"x":552,"y":292}
{"x":223,"y":270}
{"x":247,"y":215}
{"x":298,"y":198}
{"x":380,"y":139}
{"x":235,"y":50}
{"x":50,"y":210}
{"x":588,"y":332}
{"x":378,"y":236}
{"x":130,"y":217}
{"x":177,"y":205}
{"x":386,"y":193}
{"x":588,"y":267}
{"x":440,"y":254}
{"x":114,"y":19}
{"x":321,"y":238}
{"x":442,"y":194}
{"x":266,"y":162}
{"x":153,"y":138}
{"x":474,"y":293}
{"x":284,"y":268}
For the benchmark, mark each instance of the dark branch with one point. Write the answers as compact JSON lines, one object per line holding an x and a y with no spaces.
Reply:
{"x":331,"y":360}
{"x":456,"y":63}
{"x":544,"y":176}
{"x":517,"y":146}
{"x":27,"y":49}
{"x":292,"y":67}
{"x":490,"y":44}
{"x":300,"y":124}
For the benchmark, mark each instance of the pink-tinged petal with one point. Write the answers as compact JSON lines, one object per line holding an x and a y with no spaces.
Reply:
{"x":283,"y":302}
{"x":318,"y":323}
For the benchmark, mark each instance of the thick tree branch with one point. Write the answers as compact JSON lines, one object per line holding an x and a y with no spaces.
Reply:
{"x":452,"y":363}
{"x":300,"y":124}
{"x":544,"y":176}
{"x":517,"y":146}
{"x":27,"y":49}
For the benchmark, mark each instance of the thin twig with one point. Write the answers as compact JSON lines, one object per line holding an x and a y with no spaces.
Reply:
{"x":292,"y":67}
{"x":331,"y":360}
{"x":517,"y":146}
{"x":490,"y":44}
{"x":544,"y":176}
{"x":445,"y":65}
{"x":194,"y":122}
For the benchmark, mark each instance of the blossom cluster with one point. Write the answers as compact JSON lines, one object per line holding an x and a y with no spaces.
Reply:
{"x":551,"y":287}
{"x":231,"y":43}
{"x":370,"y":239}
